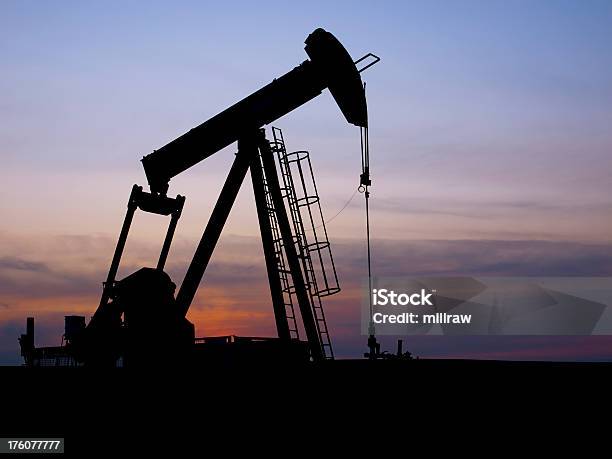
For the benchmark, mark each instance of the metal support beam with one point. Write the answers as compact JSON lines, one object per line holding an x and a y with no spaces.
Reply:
{"x":213,"y":229}
{"x":125,"y":229}
{"x":163,"y":256}
{"x":301,"y":293}
{"x":267,"y":241}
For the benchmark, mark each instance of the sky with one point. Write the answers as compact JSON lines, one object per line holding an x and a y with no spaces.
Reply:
{"x":490,"y":151}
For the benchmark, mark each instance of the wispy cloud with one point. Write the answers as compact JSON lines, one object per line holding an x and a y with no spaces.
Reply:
{"x":66,"y":278}
{"x":19,"y":264}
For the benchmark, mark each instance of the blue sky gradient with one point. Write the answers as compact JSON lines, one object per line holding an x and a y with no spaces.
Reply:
{"x":490,"y":121}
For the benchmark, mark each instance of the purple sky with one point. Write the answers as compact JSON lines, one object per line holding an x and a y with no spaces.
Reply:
{"x":490,"y":149}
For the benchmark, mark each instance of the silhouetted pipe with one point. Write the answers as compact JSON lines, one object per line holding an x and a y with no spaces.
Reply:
{"x":330,"y":66}
{"x":170,"y":233}
{"x":125,"y":229}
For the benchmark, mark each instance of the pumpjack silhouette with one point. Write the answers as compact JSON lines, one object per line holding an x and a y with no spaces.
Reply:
{"x":139,"y":319}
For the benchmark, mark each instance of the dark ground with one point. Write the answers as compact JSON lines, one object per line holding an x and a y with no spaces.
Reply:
{"x":113,"y":411}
